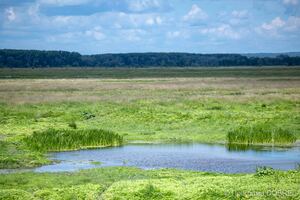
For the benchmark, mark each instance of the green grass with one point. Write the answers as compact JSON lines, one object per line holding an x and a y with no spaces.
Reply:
{"x":140,"y":120}
{"x":136,"y":184}
{"x":148,"y":110}
{"x":59,"y":140}
{"x":16,"y":155}
{"x":87,"y":191}
{"x":261,"y":133}
{"x":98,"y":72}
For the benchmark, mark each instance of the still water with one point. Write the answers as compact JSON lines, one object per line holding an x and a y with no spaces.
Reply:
{"x":202,"y":157}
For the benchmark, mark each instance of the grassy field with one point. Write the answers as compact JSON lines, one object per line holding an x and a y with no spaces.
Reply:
{"x":130,"y":183}
{"x":154,"y":72}
{"x":202,"y":109}
{"x":146,"y":105}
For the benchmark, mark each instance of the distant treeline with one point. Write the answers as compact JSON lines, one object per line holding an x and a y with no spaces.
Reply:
{"x":35,"y":58}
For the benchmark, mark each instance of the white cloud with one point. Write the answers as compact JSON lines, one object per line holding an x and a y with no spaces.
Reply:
{"x":150,"y":21}
{"x":279,"y":26}
{"x":290,"y":2}
{"x":141,"y":5}
{"x":133,"y":35}
{"x":32,"y":18}
{"x":63,"y":2}
{"x":195,"y":14}
{"x":293,"y":24}
{"x":10,"y":14}
{"x":177,"y":34}
{"x":34,"y":10}
{"x":95,"y":33}
{"x":274,"y":24}
{"x":158,"y":20}
{"x":73,"y":37}
{"x":153,"y":21}
{"x":239,"y":13}
{"x":129,"y":20}
{"x":63,"y":19}
{"x":68,"y":37}
{"x":223,"y":30}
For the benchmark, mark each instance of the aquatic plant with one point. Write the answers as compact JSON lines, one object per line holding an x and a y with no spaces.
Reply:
{"x":260,"y":133}
{"x":96,"y":162}
{"x":57,"y":140}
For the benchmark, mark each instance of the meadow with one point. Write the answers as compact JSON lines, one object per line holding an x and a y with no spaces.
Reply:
{"x":136,"y":184}
{"x":147,"y":72}
{"x":145,"y":105}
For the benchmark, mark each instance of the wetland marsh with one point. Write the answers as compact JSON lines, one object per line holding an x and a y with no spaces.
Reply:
{"x":72,"y":113}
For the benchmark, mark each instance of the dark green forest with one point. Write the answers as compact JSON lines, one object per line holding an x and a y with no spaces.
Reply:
{"x":35,"y":58}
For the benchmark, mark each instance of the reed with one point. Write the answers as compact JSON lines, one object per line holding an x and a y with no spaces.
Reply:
{"x":59,"y":140}
{"x":260,"y":134}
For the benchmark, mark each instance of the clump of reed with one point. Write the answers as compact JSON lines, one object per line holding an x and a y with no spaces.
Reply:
{"x":262,"y":133}
{"x":71,"y":139}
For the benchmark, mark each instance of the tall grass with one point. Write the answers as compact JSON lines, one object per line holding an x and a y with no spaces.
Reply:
{"x":260,"y":134}
{"x":58,"y":140}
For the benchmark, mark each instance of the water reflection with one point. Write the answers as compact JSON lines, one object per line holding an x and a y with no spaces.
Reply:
{"x":246,"y":147}
{"x":190,"y":156}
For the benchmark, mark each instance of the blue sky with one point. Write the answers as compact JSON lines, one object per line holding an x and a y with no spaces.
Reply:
{"x":113,"y":26}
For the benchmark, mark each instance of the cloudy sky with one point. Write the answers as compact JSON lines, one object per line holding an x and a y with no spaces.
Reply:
{"x":102,"y":26}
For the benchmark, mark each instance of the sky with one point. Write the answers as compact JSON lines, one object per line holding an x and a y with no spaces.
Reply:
{"x":122,"y":26}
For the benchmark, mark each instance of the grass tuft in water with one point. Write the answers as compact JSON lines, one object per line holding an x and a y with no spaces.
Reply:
{"x":58,"y":140}
{"x":96,"y":163}
{"x":260,"y":134}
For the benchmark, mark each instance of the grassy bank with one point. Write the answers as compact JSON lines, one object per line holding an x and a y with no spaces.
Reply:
{"x":132,"y":183}
{"x":14,"y":154}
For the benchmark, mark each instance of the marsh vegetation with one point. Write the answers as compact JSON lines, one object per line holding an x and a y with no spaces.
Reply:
{"x":132,"y":183}
{"x":260,"y":133}
{"x":149,"y":109}
{"x":171,"y":105}
{"x":59,"y":140}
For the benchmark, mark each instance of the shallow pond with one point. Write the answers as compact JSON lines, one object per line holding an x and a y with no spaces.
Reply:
{"x":202,"y":157}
